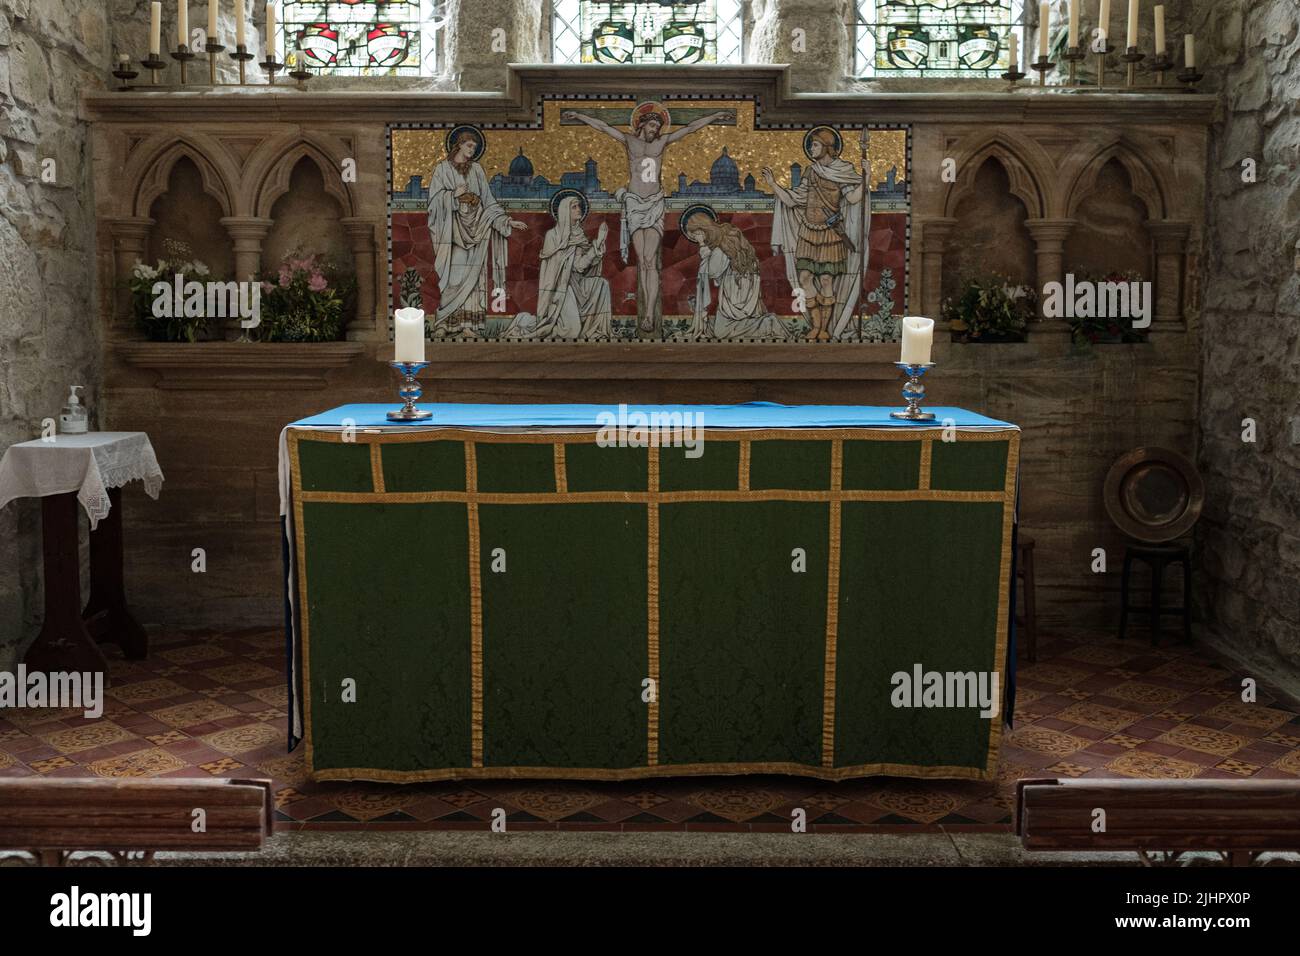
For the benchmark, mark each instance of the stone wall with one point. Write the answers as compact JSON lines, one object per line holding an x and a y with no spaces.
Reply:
{"x":1250,"y":535}
{"x":50,"y":50}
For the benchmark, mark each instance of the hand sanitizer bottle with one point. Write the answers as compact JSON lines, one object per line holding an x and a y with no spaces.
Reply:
{"x":73,"y":419}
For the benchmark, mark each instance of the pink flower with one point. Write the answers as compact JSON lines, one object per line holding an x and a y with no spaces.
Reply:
{"x":285,"y":278}
{"x":267,"y":287}
{"x":317,"y":282}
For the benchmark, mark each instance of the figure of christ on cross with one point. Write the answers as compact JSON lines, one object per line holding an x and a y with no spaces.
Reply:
{"x":643,"y":197}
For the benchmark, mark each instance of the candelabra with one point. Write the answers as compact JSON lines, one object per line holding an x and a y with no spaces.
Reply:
{"x":1132,"y":56}
{"x":1041,"y":66}
{"x":213,"y":48}
{"x":272,"y":66}
{"x":183,"y":55}
{"x":1074,"y":56}
{"x":153,"y":63}
{"x":242,"y":56}
{"x":410,"y":392}
{"x":125,"y":74}
{"x":913,"y":391}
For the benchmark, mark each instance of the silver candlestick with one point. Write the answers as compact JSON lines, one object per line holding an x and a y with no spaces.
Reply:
{"x":410,"y":391}
{"x":914,"y":391}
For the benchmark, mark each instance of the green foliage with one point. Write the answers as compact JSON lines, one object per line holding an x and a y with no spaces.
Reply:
{"x":1085,"y":333}
{"x":307,"y":299}
{"x":178,"y":259}
{"x":991,"y":308}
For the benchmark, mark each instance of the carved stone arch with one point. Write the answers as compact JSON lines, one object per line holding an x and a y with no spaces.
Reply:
{"x":271,"y":168}
{"x":150,"y":170}
{"x":1028,"y":169}
{"x":1145,"y":182}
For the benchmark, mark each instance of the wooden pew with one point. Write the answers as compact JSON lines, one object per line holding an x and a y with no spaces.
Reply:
{"x":132,"y":818}
{"x":1239,"y":819}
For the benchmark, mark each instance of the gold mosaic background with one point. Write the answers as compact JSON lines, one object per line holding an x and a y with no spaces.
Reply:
{"x":557,"y":148}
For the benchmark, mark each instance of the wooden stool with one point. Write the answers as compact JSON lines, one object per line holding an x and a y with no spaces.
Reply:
{"x":1158,"y":557}
{"x":1025,"y":571}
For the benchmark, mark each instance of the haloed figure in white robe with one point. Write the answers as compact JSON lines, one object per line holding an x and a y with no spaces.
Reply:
{"x":728,"y":260}
{"x":573,"y":300}
{"x":469,"y":232}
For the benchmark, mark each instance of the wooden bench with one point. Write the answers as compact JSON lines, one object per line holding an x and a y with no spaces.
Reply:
{"x":1161,"y":819}
{"x":132,"y":818}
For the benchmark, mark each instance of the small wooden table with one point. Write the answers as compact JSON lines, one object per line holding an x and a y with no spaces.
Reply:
{"x":65,"y":473}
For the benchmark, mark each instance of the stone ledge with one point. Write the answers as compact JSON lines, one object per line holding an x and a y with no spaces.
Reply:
{"x":703,"y":361}
{"x":238,"y":365}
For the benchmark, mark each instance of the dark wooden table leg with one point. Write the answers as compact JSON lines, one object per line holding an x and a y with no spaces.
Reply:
{"x":63,"y":643}
{"x":107,"y":590}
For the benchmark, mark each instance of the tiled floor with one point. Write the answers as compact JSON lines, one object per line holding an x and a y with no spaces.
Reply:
{"x":214,"y":704}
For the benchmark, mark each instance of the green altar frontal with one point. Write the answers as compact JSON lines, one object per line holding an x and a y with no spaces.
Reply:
{"x":478,"y":604}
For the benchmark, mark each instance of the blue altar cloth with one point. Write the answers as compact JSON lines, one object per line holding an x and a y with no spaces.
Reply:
{"x":751,"y":415}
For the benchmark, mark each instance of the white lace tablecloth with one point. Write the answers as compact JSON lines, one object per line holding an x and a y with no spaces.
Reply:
{"x":88,"y":464}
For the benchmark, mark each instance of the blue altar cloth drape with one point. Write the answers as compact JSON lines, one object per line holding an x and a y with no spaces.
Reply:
{"x":750,"y":415}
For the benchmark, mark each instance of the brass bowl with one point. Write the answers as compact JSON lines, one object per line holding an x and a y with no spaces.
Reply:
{"x":1154,"y":495}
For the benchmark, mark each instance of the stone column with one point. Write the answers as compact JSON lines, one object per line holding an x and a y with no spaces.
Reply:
{"x":1170,"y":240}
{"x":934,"y":241}
{"x":247,"y":234}
{"x":1049,"y":248}
{"x":130,"y":242}
{"x":811,"y":35}
{"x":483,"y":36}
{"x":361,"y":240}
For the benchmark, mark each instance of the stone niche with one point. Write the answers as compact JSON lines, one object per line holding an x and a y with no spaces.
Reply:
{"x":185,"y":213}
{"x":990,"y":235}
{"x":1045,"y":183}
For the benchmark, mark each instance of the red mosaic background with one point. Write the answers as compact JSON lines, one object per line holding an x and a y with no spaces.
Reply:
{"x":413,"y":247}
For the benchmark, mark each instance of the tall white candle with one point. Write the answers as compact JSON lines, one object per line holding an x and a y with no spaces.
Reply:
{"x":1013,"y":53}
{"x":1074,"y":23}
{"x":182,"y":24}
{"x":1103,"y":20}
{"x":155,"y":27}
{"x":239,"y":22}
{"x":1132,"y":23}
{"x":272,"y":41}
{"x":1160,"y":29}
{"x":408,"y":335}
{"x":918,"y":336}
{"x":1189,"y":51}
{"x":214,"y":7}
{"x":1044,"y":21}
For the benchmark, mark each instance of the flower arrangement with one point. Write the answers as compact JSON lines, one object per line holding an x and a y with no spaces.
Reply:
{"x":1090,"y":331}
{"x":306,"y":299}
{"x":178,"y":259}
{"x":991,"y":309}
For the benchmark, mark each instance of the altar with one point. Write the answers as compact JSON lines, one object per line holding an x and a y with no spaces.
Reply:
{"x":528,"y":591}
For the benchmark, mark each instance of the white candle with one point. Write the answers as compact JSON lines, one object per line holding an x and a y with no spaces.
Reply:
{"x":918,"y":336}
{"x":1103,"y":20}
{"x":1132,"y":23}
{"x":1044,"y":21}
{"x":214,"y":7}
{"x":1160,"y":30}
{"x":1074,"y":23}
{"x":239,"y":23}
{"x":182,"y":24}
{"x":155,"y":27}
{"x":408,"y":335}
{"x":1189,"y":51}
{"x":1013,"y":53}
{"x":272,"y":41}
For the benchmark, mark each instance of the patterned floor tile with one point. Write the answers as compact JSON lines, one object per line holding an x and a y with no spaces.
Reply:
{"x":1139,"y":763}
{"x":738,"y":804}
{"x":221,"y":768}
{"x":192,"y":713}
{"x":1256,"y":715}
{"x":142,"y":763}
{"x":1044,"y":740}
{"x":1149,"y":694}
{"x":1203,"y":739}
{"x":95,"y":733}
{"x":146,"y":691}
{"x":1098,"y":715}
{"x":239,"y":740}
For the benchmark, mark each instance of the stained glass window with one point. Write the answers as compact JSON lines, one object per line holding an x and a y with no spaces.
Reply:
{"x":948,"y":38}
{"x":704,"y":31}
{"x":363,"y":37}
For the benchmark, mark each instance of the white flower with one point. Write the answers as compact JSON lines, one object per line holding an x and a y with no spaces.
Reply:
{"x":199,"y":268}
